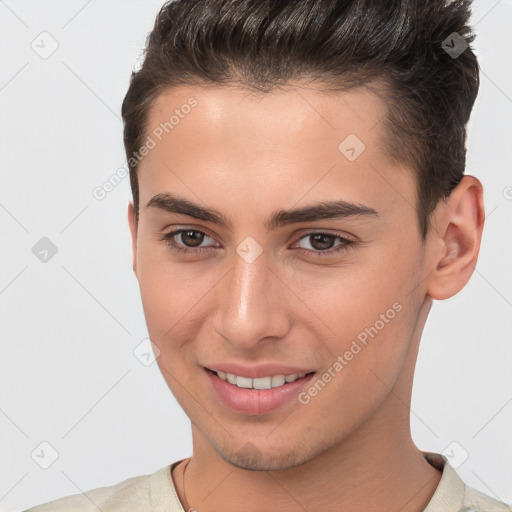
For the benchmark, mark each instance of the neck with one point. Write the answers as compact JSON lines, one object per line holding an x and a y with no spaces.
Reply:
{"x":376,"y":468}
{"x":390,"y":475}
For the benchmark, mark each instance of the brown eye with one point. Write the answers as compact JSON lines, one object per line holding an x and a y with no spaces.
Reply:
{"x":321,"y":241}
{"x":323,"y":244}
{"x":192,"y":237}
{"x":187,"y":241}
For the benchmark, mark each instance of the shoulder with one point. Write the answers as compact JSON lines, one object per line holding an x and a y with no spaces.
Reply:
{"x":453,"y":494}
{"x":480,"y":502}
{"x":134,"y":494}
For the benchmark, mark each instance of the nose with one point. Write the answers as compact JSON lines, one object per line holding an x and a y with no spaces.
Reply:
{"x":251,"y":304}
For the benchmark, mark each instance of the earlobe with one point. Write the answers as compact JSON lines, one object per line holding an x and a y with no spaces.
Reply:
{"x":132,"y":223}
{"x":457,"y":233}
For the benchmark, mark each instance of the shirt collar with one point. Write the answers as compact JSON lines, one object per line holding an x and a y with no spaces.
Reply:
{"x":451,"y":490}
{"x":449,"y":495}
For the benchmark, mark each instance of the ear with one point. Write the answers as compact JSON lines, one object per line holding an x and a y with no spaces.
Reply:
{"x":456,"y":235}
{"x":133,"y":231}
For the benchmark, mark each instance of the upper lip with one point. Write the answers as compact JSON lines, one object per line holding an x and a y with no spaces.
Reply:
{"x":258,"y":371}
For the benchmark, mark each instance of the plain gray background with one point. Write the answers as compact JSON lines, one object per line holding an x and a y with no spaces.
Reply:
{"x":69,"y":325}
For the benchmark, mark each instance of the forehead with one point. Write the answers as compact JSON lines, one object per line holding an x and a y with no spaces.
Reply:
{"x":298,"y":110}
{"x":227,"y":142}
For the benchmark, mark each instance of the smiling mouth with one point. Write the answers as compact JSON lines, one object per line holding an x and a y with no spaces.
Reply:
{"x":261,"y":383}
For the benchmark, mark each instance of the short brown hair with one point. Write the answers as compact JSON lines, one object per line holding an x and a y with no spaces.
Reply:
{"x":264,"y":44}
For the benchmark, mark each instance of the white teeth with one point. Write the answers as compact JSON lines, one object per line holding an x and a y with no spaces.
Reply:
{"x":274,"y":381}
{"x":243,"y":382}
{"x":278,"y":380}
{"x":262,"y":383}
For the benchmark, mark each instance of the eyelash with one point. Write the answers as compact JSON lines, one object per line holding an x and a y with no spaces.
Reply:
{"x":347,"y":243}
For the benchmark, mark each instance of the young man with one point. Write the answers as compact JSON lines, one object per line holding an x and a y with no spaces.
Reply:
{"x":299,"y":199}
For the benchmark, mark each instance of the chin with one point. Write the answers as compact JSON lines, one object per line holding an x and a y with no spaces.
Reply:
{"x":251,"y":458}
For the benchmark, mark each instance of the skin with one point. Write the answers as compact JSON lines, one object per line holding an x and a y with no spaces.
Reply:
{"x":247,"y":155}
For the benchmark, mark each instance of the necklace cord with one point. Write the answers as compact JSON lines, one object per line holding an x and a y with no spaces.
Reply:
{"x":183,"y":485}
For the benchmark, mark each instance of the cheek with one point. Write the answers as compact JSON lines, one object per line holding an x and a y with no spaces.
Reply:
{"x":366,"y":357}
{"x":163,"y":294}
{"x":350,"y":299}
{"x":173,"y":298}
{"x":366,"y":312}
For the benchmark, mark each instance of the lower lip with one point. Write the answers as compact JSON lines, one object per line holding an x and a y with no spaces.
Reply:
{"x":256,"y":401}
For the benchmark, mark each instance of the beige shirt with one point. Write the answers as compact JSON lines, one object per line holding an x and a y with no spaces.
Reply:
{"x":156,"y":493}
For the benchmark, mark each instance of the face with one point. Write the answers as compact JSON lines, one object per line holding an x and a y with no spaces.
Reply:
{"x":263,"y":278}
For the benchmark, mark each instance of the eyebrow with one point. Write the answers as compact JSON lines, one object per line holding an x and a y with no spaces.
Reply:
{"x":323,"y":210}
